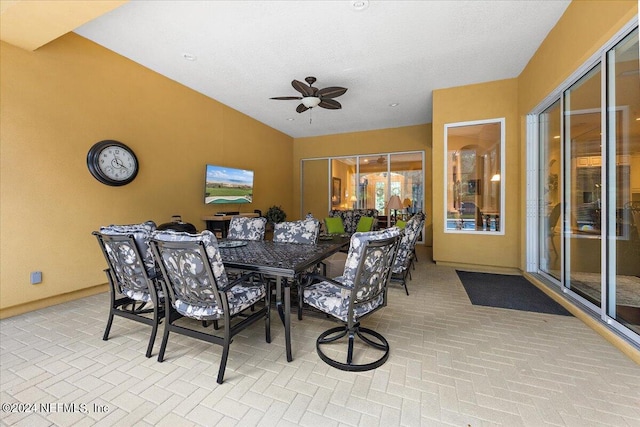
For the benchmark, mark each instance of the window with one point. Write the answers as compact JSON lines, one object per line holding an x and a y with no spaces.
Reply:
{"x":474,"y":169}
{"x":367,"y":182}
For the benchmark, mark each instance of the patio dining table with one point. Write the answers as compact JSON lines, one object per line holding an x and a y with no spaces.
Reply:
{"x":286,"y":261}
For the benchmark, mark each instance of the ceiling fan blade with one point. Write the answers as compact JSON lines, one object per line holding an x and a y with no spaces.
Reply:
{"x":302,"y":88}
{"x":330,"y":104}
{"x":332,"y":92}
{"x":286,"y":98}
{"x":301,"y":108}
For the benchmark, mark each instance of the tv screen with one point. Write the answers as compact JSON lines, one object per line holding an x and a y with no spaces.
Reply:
{"x":228,"y":185}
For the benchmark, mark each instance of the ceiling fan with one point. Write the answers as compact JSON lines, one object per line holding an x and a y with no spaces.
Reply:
{"x":314,"y":97}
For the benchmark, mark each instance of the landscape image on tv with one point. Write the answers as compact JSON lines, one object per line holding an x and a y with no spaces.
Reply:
{"x":228,"y":185}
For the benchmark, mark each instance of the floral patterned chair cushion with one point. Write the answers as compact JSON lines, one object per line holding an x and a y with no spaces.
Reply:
{"x":355,"y":249}
{"x":334,"y":300}
{"x":246,"y":228}
{"x":407,"y":243}
{"x":141,"y":233}
{"x":351,"y":217}
{"x":211,"y":247}
{"x":329,"y":298}
{"x":125,"y":265}
{"x":239,"y":297}
{"x":303,"y":231}
{"x":193,"y":294}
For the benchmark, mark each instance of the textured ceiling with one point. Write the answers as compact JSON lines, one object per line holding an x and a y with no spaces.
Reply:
{"x":389,"y":52}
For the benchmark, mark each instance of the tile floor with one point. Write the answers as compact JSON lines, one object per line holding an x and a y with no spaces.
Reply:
{"x":451,"y":364}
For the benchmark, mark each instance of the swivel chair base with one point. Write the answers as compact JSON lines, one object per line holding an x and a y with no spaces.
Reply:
{"x":335,"y":334}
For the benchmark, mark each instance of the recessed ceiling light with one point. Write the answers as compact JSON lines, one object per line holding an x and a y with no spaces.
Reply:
{"x":359,"y":4}
{"x":395,"y":104}
{"x":290,"y":119}
{"x":189,"y":57}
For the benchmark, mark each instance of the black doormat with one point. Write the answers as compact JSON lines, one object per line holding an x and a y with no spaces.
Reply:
{"x":508,"y":291}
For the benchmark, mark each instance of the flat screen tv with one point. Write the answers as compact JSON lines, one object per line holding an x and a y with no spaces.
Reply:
{"x":228,"y":185}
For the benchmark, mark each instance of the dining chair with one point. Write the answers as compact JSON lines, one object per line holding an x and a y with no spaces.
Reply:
{"x":197,"y":287}
{"x":358,"y":293}
{"x":406,"y":250}
{"x":302,"y":231}
{"x":135,"y":289}
{"x":246,"y":228}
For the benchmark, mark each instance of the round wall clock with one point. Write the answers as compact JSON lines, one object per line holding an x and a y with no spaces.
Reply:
{"x":112,"y":163}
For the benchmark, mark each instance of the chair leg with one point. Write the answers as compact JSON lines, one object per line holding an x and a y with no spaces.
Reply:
{"x":154,"y":330}
{"x":105,"y":337}
{"x":225,"y":352}
{"x":267,"y":319}
{"x":404,"y":280}
{"x":350,"y":349}
{"x":300,"y":302}
{"x":165,"y":335}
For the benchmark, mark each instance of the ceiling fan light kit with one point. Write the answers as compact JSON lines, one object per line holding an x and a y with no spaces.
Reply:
{"x":310,"y":101}
{"x":314,"y":97}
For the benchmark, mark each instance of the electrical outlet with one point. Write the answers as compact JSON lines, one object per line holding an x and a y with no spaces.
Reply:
{"x":36,"y":277}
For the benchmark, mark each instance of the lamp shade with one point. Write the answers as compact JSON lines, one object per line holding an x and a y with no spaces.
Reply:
{"x":310,"y":101}
{"x":394,"y":203}
{"x":406,"y":202}
{"x":495,"y":178}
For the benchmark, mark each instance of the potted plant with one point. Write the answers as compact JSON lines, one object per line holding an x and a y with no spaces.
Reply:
{"x":275,"y":214}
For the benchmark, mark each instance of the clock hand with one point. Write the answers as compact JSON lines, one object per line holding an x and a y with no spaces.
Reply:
{"x":117,"y":162}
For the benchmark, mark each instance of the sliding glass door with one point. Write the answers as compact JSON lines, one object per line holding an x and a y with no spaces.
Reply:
{"x":582,"y":216}
{"x":588,"y":192}
{"x":623,"y":182}
{"x":551,"y":185}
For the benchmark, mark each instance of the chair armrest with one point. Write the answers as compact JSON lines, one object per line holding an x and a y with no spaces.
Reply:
{"x":243,"y":278}
{"x":321,"y":278}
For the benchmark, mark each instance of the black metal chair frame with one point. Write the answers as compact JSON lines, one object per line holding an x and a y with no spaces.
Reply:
{"x":352,"y":328}
{"x":120,"y":304}
{"x":410,"y":261}
{"x":229,"y":329}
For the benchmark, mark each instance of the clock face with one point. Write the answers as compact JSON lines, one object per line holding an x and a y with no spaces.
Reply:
{"x":117,"y":163}
{"x":112,"y":163}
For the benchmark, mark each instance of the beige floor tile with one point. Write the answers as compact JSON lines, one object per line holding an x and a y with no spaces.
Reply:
{"x":451,"y":364}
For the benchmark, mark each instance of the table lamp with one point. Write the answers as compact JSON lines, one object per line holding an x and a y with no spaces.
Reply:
{"x":395,"y":204}
{"x":354,"y":201}
{"x":407,"y":204}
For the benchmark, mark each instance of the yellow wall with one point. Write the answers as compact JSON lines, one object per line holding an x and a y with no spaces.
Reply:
{"x":315,"y":191}
{"x":478,"y":102}
{"x":55,"y":104}
{"x":409,"y":138}
{"x":582,"y":30}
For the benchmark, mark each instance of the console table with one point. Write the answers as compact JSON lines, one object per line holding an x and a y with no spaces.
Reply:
{"x":220,"y":223}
